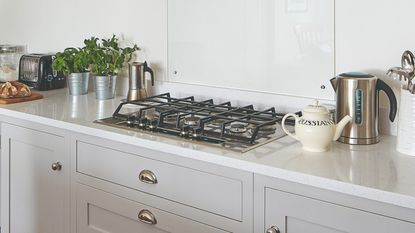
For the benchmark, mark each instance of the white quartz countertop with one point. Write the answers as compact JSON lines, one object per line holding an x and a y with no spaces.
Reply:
{"x":377,"y":172}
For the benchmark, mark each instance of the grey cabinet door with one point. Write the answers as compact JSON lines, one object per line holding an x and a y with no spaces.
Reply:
{"x":293,"y":213}
{"x":35,"y":192}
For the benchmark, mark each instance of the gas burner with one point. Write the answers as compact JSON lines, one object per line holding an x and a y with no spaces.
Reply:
{"x":191,"y":121}
{"x":268,"y":128}
{"x":236,"y":128}
{"x":150,"y":114}
{"x":170,"y":118}
{"x":218,"y":122}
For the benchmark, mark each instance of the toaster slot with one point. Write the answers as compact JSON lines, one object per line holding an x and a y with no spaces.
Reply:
{"x":29,"y":69}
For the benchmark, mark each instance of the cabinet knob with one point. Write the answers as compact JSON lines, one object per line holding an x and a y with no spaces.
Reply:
{"x":147,"y":217}
{"x":273,"y":229}
{"x":56,"y":166}
{"x":148,"y":177}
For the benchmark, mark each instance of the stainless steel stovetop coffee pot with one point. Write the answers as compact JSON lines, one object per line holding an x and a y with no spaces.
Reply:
{"x":357,"y":95}
{"x":137,"y":81}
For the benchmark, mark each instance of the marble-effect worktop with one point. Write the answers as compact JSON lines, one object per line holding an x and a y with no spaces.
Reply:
{"x":377,"y":172}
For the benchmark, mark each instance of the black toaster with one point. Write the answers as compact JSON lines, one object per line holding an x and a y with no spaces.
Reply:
{"x":35,"y":70}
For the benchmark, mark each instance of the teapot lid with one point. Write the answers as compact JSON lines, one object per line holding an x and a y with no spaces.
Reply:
{"x":316,"y":108}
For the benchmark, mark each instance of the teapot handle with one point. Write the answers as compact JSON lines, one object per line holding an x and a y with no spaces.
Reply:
{"x":283,"y":125}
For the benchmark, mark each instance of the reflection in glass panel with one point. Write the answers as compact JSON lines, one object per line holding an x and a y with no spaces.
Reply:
{"x":277,"y":46}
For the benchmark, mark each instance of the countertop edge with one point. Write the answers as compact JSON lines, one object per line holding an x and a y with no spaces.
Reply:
{"x":275,"y":172}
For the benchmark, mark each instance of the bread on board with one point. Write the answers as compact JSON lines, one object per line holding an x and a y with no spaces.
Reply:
{"x":14,"y":89}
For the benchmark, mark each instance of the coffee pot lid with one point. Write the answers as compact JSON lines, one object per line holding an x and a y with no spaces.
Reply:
{"x":315,"y":107}
{"x":7,"y":48}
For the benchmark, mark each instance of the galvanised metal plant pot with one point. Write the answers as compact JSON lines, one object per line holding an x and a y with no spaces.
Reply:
{"x":105,"y":86}
{"x":78,"y":83}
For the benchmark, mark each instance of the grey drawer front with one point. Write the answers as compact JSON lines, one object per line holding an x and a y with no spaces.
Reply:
{"x":101,"y":212}
{"x":216,"y":194}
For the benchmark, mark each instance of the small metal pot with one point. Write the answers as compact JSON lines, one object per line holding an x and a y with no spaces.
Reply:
{"x":105,"y":86}
{"x":78,"y":83}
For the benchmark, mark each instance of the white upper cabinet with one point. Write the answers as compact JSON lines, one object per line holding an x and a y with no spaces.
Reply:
{"x":275,"y":46}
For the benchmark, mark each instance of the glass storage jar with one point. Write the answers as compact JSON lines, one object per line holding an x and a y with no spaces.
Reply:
{"x":9,"y":61}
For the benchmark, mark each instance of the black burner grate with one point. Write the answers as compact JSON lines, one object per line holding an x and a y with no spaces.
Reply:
{"x":200,"y":120}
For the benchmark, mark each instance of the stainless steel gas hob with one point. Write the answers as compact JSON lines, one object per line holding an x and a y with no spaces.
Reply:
{"x":221,"y":125}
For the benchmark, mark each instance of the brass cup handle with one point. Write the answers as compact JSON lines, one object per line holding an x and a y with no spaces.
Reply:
{"x":148,"y":177}
{"x":56,"y":166}
{"x":273,"y":229}
{"x":147,"y":217}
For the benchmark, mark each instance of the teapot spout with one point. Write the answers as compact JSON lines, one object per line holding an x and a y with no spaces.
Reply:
{"x":340,"y":126}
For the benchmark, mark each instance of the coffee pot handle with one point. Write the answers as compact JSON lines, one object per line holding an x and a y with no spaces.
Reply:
{"x":285,"y":129}
{"x":393,"y":105}
{"x":148,"y":69}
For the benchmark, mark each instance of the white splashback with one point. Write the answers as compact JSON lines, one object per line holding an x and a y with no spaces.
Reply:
{"x":370,"y":36}
{"x":272,"y":46}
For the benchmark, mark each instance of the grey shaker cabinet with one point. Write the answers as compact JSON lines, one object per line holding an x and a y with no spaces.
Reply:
{"x":214,"y":193}
{"x":185,"y":195}
{"x":287,"y":212}
{"x":99,"y":189}
{"x":35,"y":181}
{"x":102,"y":212}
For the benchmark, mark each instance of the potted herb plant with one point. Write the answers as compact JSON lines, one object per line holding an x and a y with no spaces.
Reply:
{"x":74,"y":63}
{"x":107,"y":59}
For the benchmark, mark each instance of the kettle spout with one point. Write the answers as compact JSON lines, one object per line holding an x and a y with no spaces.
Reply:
{"x":340,"y":126}
{"x":333,"y":82}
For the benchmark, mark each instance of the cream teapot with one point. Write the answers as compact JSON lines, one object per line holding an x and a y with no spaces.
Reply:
{"x":315,"y":129}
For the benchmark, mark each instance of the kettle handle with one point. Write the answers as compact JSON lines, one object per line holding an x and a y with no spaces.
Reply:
{"x":285,"y":129}
{"x":148,"y":69}
{"x":393,"y":105}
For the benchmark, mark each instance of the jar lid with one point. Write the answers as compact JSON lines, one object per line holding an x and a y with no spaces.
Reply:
{"x":12,"y":48}
{"x":316,"y":108}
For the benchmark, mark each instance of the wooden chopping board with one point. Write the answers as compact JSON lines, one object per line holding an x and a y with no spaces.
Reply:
{"x":34,"y":96}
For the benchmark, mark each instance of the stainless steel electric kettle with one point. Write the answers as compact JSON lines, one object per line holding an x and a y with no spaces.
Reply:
{"x":137,"y":82}
{"x":357,"y":95}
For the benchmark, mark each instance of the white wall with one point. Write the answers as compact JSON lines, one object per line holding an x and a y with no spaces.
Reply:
{"x":52,"y":25}
{"x":370,"y":35}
